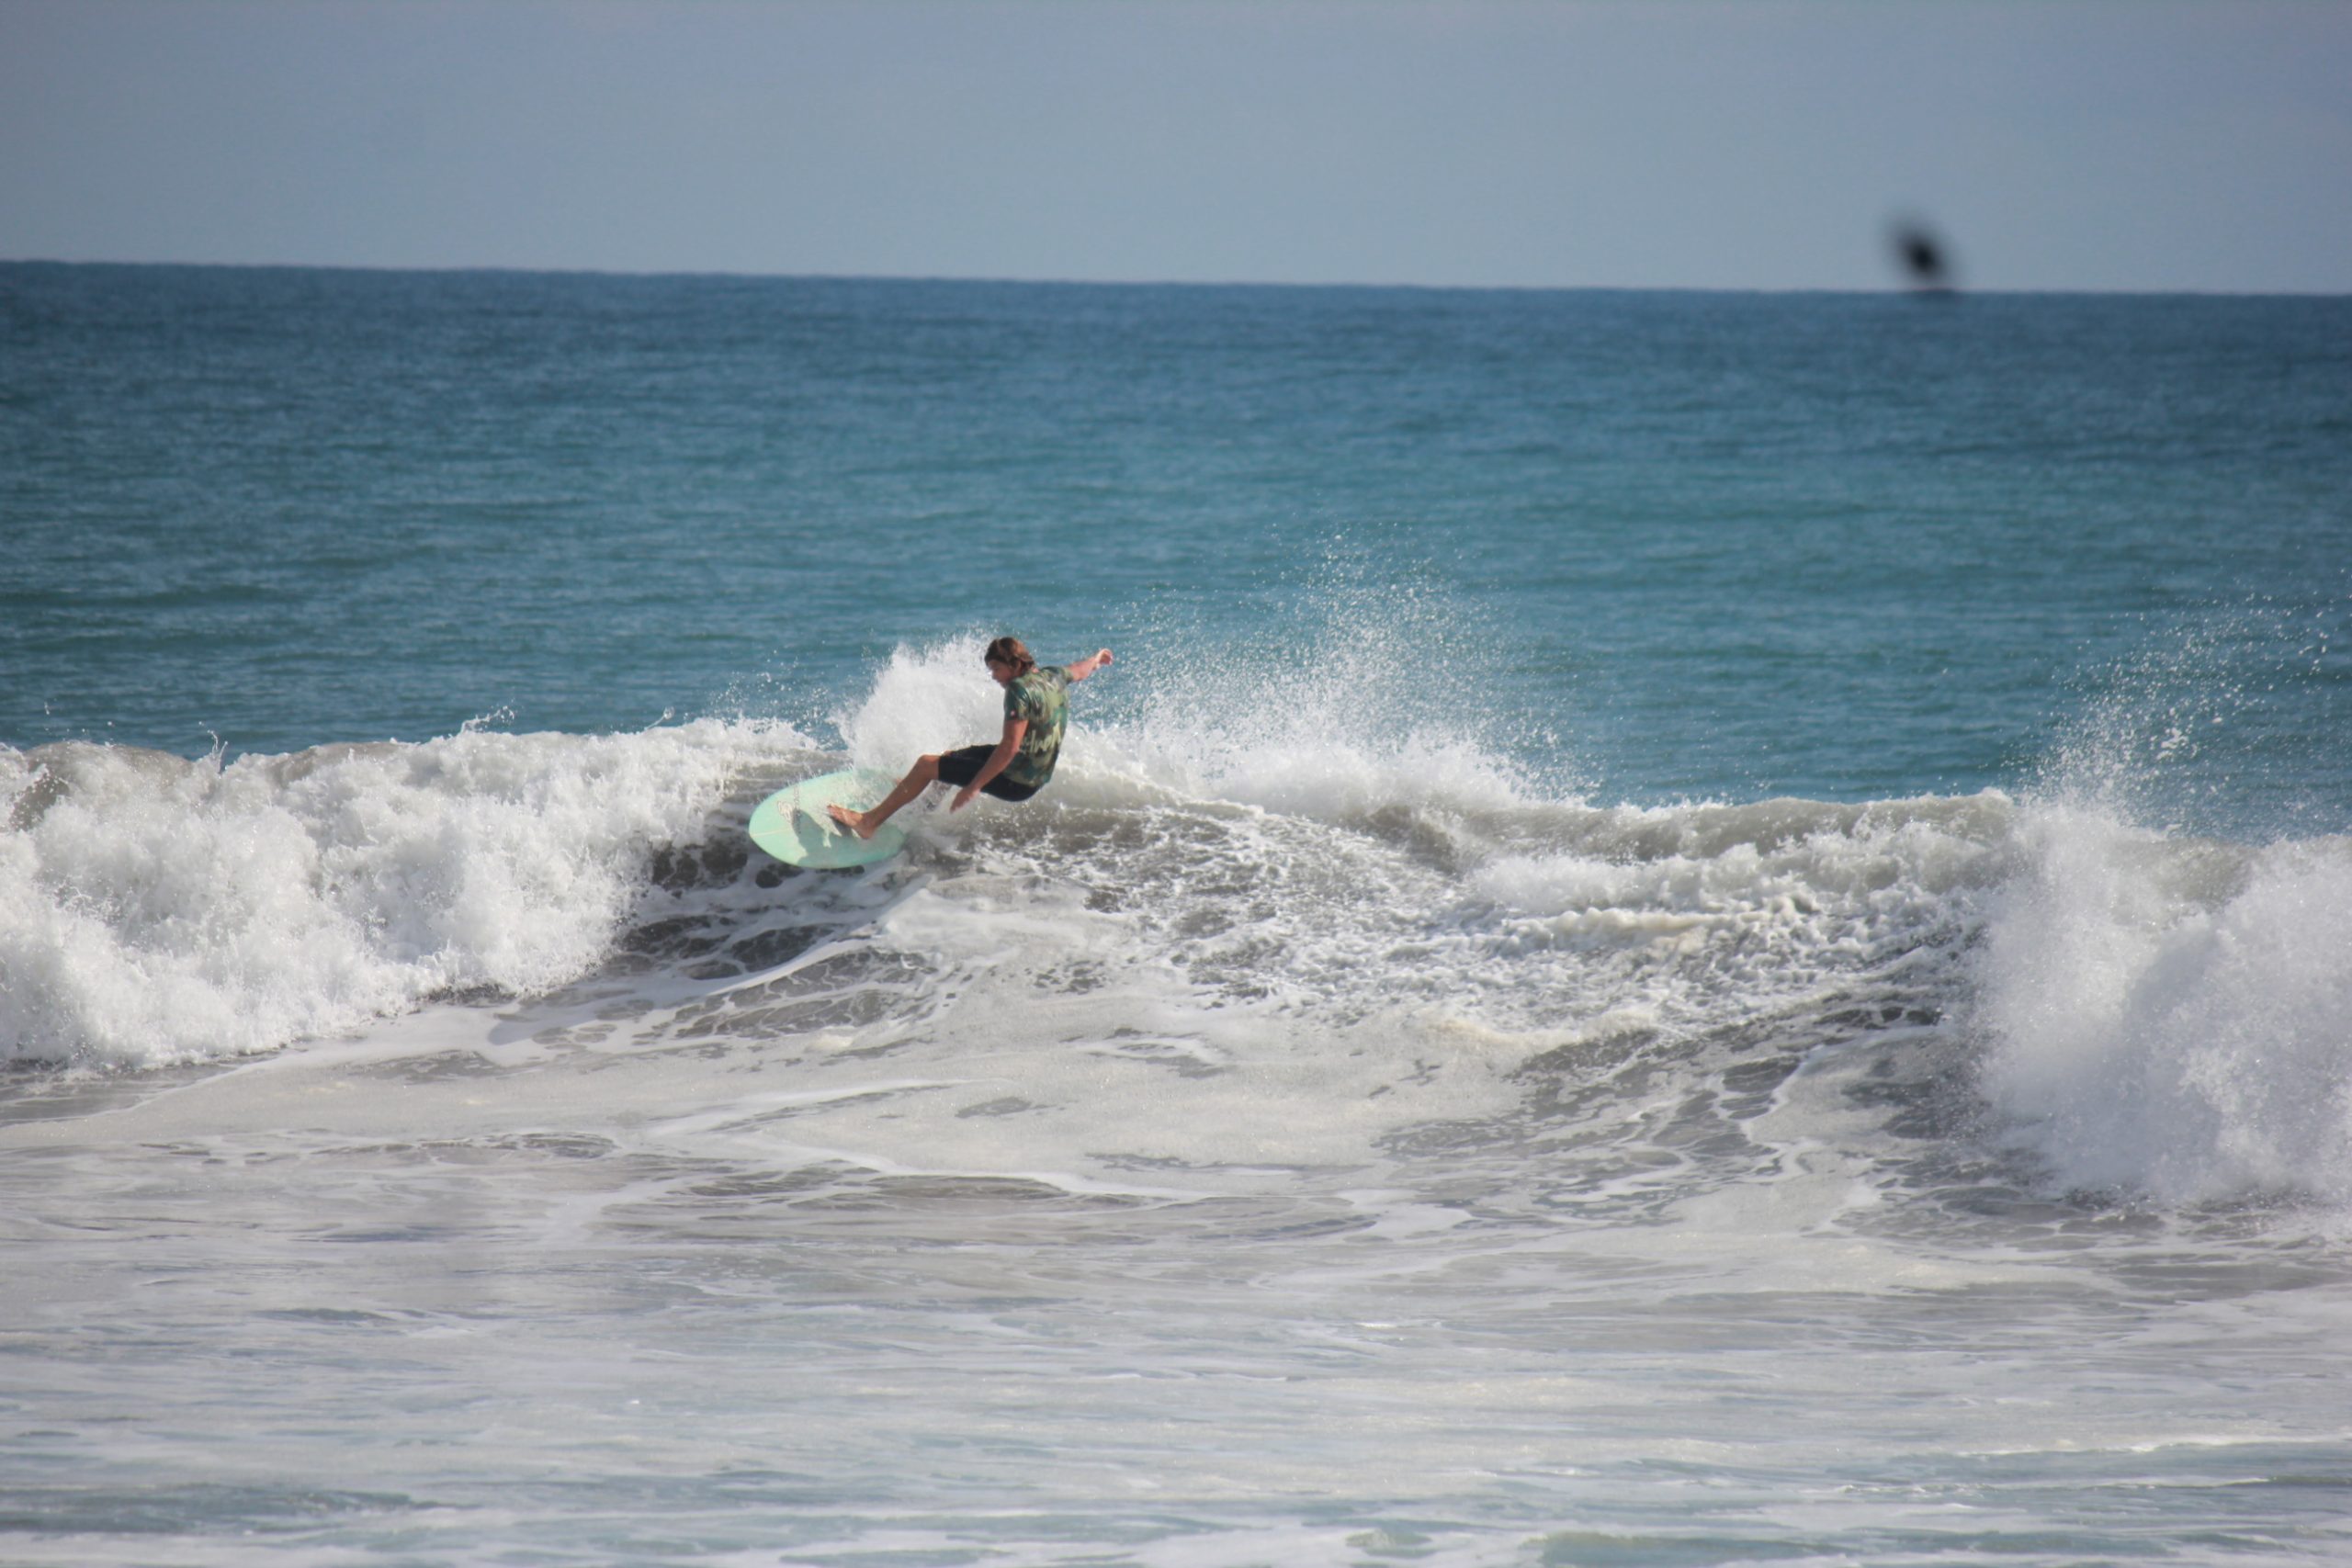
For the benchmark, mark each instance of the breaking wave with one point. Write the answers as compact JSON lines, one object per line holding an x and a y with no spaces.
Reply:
{"x":1312,"y":921}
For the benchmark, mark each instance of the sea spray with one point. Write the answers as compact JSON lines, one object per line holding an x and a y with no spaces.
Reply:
{"x":1362,"y":704}
{"x":1356,"y":696}
{"x":926,"y":698}
{"x":2164,"y":989}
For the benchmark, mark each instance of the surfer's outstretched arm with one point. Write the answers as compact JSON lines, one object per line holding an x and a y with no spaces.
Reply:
{"x":1089,"y":665}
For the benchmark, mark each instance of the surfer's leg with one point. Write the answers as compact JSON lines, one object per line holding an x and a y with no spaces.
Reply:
{"x":862,"y":823}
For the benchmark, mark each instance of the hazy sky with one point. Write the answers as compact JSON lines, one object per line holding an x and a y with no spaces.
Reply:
{"x":1747,"y":143}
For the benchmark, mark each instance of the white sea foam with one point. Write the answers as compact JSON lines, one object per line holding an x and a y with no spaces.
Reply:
{"x":160,"y":911}
{"x":2173,"y":1017}
{"x":1446,"y":938}
{"x":1233,"y":925}
{"x":154,"y":909}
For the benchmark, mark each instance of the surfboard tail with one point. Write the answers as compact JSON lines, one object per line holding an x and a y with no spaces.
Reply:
{"x":796,"y":827}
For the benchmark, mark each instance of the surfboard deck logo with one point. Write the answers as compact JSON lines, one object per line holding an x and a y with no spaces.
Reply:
{"x":793,"y":825}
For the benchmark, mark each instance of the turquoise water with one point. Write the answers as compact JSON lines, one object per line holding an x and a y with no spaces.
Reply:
{"x":1693,"y":927}
{"x":1842,"y":546}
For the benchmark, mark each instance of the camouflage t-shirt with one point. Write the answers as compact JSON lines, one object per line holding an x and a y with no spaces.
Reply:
{"x":1042,"y":696}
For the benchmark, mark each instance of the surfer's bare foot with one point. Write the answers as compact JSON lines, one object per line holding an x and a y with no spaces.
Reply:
{"x":855,"y":821}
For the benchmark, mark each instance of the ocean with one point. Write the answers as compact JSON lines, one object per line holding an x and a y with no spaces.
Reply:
{"x":1692,"y":929}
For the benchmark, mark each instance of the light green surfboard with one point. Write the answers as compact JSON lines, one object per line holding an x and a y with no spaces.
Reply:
{"x":792,"y":825}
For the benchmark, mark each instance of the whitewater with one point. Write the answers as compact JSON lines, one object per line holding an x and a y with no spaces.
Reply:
{"x":167,"y":912}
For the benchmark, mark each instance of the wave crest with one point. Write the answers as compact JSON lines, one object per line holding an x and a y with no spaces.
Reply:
{"x":154,"y":909}
{"x":2173,"y":1016}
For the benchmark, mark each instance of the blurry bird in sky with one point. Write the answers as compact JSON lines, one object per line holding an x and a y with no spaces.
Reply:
{"x":1923,"y":256}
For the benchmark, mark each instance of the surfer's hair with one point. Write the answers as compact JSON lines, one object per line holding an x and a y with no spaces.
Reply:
{"x":1014,"y":654}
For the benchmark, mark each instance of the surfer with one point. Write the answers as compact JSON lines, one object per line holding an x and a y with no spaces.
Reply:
{"x":1036,"y":701}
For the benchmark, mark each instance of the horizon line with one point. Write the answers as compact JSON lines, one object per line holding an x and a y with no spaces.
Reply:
{"x":464,"y":270}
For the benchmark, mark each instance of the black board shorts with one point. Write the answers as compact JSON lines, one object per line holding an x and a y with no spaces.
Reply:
{"x":963,"y":765}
